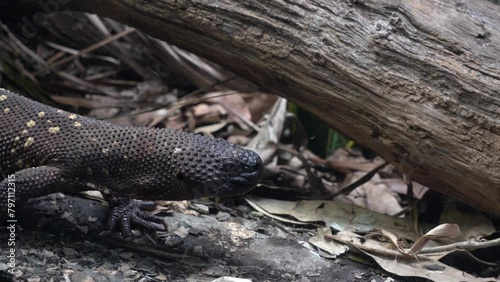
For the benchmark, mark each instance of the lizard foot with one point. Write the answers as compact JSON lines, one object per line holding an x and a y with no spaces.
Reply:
{"x":126,"y":213}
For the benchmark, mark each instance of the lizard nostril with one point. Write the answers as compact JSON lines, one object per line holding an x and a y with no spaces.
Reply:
{"x":180,"y":176}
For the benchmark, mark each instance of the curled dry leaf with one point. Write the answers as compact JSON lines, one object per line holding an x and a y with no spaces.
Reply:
{"x":441,"y":231}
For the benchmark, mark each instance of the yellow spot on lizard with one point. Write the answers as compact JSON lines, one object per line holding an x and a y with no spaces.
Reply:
{"x":31,"y":123}
{"x":41,"y":114}
{"x":29,"y":142}
{"x":3,"y":98}
{"x":6,"y":110}
{"x":55,"y":129}
{"x":24,"y":132}
{"x":72,"y":116}
{"x":77,"y":124}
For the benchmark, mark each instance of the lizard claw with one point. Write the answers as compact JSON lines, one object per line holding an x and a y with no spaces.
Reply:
{"x":126,"y":213}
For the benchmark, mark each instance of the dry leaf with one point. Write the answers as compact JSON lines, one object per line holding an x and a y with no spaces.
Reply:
{"x":441,"y":231}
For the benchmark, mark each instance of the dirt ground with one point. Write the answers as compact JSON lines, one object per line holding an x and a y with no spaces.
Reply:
{"x":60,"y":241}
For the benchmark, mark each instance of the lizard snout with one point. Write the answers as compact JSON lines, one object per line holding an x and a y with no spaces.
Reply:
{"x":249,"y":170}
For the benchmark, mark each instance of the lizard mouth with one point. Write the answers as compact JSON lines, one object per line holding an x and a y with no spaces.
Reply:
{"x":250,"y":175}
{"x":246,"y":179}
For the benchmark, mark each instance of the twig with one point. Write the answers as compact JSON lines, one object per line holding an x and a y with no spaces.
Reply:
{"x":359,"y":182}
{"x":468,"y":246}
{"x":316,"y":181}
{"x":86,"y":50}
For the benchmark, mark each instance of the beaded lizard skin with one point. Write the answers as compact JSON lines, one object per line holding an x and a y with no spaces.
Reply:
{"x":45,"y":150}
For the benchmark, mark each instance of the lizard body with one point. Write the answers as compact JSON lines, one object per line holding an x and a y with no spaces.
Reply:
{"x":49,"y":150}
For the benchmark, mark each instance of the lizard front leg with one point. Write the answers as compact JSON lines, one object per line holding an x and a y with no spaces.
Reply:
{"x":34,"y":182}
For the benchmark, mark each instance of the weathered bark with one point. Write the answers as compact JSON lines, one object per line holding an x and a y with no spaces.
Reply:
{"x":416,"y":81}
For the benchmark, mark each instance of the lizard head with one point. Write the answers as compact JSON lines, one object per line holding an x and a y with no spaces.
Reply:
{"x":214,"y":167}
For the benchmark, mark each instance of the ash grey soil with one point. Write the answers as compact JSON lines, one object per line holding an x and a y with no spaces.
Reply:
{"x":58,"y":243}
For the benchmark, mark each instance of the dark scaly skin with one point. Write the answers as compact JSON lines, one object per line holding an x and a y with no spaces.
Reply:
{"x":50,"y":150}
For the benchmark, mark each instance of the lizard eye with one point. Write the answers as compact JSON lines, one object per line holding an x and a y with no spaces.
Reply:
{"x":229,"y":166}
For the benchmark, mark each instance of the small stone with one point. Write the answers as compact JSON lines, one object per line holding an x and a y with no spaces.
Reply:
{"x":223,"y":216}
{"x":198,"y":249}
{"x":195,"y":231}
{"x":243,"y":209}
{"x":231,"y":279}
{"x":182,"y":232}
{"x":203,"y":209}
{"x":255,"y":214}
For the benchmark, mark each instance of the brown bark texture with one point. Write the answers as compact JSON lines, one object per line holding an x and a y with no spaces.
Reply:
{"x":417,"y":81}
